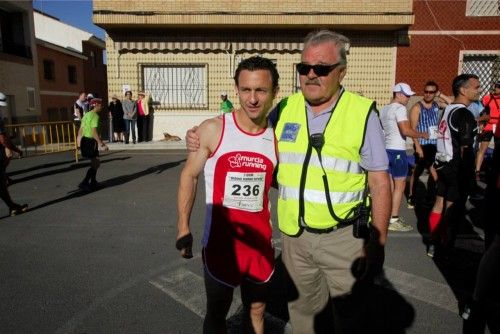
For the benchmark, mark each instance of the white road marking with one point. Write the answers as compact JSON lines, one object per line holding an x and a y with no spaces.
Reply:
{"x":421,"y":288}
{"x":71,"y":325}
{"x":188,"y":289}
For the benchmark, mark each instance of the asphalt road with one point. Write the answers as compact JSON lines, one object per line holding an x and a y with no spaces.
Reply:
{"x":105,"y":262}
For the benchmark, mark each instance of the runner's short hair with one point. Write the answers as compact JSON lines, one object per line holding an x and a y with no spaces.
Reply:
{"x":258,"y":63}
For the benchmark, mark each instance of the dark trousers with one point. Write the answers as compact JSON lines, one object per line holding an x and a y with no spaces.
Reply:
{"x":142,"y":128}
{"x":130,"y":128}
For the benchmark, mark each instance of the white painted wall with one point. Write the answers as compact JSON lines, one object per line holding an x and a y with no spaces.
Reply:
{"x":59,"y":33}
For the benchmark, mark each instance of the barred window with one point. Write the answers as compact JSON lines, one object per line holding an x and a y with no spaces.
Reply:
{"x":49,"y":72}
{"x":485,"y":65}
{"x":31,"y":98}
{"x":483,"y":8}
{"x":177,"y":86}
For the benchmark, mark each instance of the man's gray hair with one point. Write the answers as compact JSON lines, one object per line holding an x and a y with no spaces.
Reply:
{"x":325,"y":36}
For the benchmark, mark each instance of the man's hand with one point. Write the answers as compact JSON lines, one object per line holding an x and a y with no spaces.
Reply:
{"x":371,"y":263}
{"x":184,"y":243}
{"x":192,"y":139}
{"x":419,"y":152}
{"x":374,"y":258}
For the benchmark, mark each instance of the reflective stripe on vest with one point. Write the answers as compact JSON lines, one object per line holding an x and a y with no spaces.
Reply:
{"x":343,"y":135}
{"x":329,"y":163}
{"x":318,"y":196}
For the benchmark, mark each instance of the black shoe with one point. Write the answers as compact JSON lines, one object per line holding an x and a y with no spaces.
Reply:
{"x":84,"y":186}
{"x":18,"y":209}
{"x":126,"y":142}
{"x":8,"y":181}
{"x":134,"y":141}
{"x":95,"y":186}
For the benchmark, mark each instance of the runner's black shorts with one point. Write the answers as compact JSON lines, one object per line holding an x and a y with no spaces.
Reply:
{"x":88,"y":147}
{"x":485,"y":136}
{"x":447,"y":183}
{"x":429,"y":156}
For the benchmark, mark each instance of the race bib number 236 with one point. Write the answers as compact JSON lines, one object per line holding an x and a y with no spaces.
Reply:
{"x":244,"y":191}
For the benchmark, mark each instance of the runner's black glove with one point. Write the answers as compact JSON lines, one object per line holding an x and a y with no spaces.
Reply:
{"x":185,"y":243}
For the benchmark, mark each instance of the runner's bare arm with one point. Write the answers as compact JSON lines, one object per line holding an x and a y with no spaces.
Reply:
{"x":414,"y":117}
{"x":208,"y":134}
{"x":406,"y":130}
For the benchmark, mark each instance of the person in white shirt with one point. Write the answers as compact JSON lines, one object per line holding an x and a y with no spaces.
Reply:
{"x":394,"y":118}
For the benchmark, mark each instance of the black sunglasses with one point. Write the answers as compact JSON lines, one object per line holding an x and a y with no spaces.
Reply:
{"x":430,"y":91}
{"x":320,"y":70}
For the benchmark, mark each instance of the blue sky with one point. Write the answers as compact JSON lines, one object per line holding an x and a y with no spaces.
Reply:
{"x":77,"y":13}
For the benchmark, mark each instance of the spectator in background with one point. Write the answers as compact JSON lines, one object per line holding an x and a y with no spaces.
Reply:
{"x":129,"y":116}
{"x":116,"y":114}
{"x":142,"y":117}
{"x":491,"y":103}
{"x":396,"y":126}
{"x":225,"y":106}
{"x":5,"y":142}
{"x":80,"y":108}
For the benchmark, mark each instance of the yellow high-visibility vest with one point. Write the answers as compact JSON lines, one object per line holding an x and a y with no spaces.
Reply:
{"x":302,"y":198}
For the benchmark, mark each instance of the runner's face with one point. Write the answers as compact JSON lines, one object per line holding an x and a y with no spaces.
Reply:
{"x":472,"y":90}
{"x":429,"y":93}
{"x":320,"y":90}
{"x":256,"y":93}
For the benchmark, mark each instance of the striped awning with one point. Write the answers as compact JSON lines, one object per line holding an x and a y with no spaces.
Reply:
{"x":200,"y":43}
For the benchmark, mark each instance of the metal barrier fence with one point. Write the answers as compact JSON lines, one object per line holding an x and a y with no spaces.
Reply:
{"x":44,"y":138}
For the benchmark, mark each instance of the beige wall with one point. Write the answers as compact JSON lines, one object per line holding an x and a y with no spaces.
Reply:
{"x":258,"y":6}
{"x":370,"y":71}
{"x":18,"y":73}
{"x":15,"y":78}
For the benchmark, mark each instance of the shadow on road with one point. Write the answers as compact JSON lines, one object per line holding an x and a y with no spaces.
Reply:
{"x":116,"y":181}
{"x":69,"y":168}
{"x":459,"y":265}
{"x":369,"y":308}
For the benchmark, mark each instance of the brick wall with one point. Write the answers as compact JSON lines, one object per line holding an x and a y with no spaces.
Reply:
{"x":58,"y":93}
{"x":434,"y":52}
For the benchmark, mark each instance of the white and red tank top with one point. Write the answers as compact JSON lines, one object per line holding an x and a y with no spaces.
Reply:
{"x":238,"y":176}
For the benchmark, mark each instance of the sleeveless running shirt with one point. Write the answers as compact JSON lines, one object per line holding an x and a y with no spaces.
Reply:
{"x":238,"y":231}
{"x":428,"y":122}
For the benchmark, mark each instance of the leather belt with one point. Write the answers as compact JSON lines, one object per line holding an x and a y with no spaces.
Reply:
{"x":326,"y":230}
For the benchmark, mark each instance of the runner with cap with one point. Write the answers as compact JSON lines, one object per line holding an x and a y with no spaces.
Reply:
{"x":89,"y":142}
{"x":394,"y":119}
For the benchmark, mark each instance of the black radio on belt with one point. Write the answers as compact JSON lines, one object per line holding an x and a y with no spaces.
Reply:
{"x":360,"y":227}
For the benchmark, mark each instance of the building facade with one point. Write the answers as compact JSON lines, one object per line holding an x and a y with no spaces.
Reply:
{"x":70,"y":60}
{"x":184,"y":53}
{"x":449,"y":38}
{"x":18,"y":65}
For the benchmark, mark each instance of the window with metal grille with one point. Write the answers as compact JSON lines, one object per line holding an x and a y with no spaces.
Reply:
{"x":72,"y":74}
{"x":483,"y":8}
{"x":485,"y":66}
{"x":31,"y":98}
{"x":49,"y":72}
{"x":177,"y":86}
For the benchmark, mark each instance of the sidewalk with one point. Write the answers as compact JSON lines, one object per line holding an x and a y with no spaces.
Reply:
{"x":150,"y":145}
